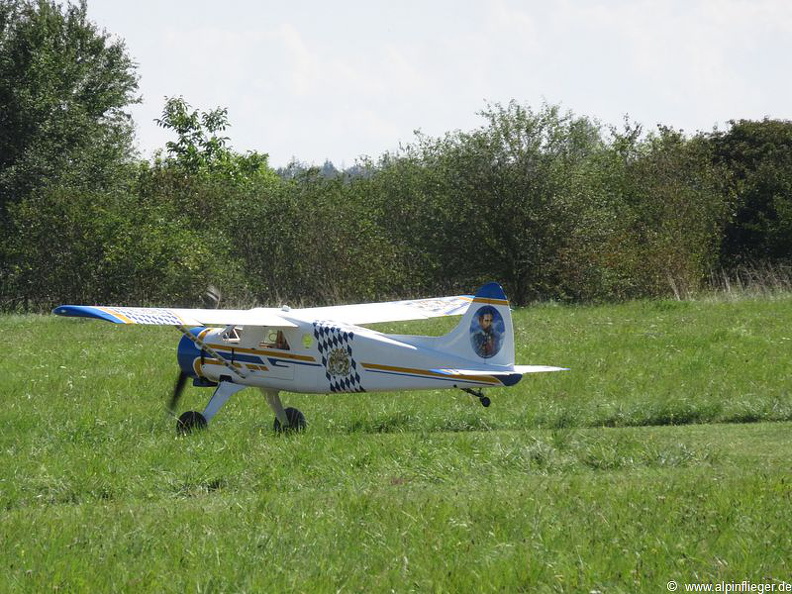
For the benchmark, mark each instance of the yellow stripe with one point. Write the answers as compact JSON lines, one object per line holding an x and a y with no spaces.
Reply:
{"x":113,"y":312}
{"x":284,"y":355}
{"x":279,"y":354}
{"x":487,"y":379}
{"x":198,"y":366}
{"x":491,"y":301}
{"x":255,"y":367}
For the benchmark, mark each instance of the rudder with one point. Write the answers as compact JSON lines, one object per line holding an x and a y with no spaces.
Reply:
{"x":485,"y":334}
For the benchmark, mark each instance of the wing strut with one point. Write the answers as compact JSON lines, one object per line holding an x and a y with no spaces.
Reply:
{"x":238,"y":369}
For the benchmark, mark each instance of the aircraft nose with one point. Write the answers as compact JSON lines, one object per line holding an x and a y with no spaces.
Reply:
{"x":188,"y":352}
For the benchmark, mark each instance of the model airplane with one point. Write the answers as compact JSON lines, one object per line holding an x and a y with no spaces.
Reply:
{"x":325,"y":350}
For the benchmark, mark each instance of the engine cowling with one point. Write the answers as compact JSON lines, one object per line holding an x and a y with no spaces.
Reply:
{"x":188,"y":352}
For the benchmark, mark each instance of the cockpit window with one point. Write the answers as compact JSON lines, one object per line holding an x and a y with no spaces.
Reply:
{"x":232,"y":334}
{"x":276,"y":339}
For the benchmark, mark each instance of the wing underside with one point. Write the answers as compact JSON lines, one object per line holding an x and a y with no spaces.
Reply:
{"x":162,"y":316}
{"x":364,"y":313}
{"x":392,"y":311}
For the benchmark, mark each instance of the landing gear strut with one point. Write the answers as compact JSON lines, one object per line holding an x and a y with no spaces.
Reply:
{"x":485,"y":402}
{"x":193,"y":420}
{"x":286,"y":419}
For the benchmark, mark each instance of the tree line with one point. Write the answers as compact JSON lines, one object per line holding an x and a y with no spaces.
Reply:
{"x":552,"y":204}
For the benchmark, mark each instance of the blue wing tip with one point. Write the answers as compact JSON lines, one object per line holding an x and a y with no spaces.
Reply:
{"x":491,"y":290}
{"x":84,"y":311}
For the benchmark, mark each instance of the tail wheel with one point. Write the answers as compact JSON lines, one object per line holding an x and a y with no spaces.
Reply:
{"x":485,"y":402}
{"x":190,"y":421}
{"x":296,"y":421}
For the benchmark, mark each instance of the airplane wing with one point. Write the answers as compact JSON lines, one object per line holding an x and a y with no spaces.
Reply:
{"x":165,"y":316}
{"x":391,"y":311}
{"x":364,"y":313}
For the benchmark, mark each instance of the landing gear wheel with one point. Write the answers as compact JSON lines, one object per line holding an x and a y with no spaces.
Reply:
{"x":296,"y":421}
{"x":190,"y":421}
{"x":485,"y":402}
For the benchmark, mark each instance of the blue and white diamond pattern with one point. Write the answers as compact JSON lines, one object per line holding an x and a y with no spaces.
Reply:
{"x":146,"y":315}
{"x":331,"y":338}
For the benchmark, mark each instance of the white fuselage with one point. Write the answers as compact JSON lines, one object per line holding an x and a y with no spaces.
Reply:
{"x":323,"y":357}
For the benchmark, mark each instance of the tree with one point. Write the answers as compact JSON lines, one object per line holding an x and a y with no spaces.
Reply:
{"x":63,"y":89}
{"x":504,"y":197}
{"x":677,"y":204}
{"x":200,"y":151}
{"x":758,"y":154}
{"x":198,"y":146}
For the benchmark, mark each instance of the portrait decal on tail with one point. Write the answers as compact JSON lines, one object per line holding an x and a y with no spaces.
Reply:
{"x":486,"y":332}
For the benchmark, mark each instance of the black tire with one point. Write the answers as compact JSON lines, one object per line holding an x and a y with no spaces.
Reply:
{"x":296,"y":421}
{"x":190,"y":421}
{"x":485,"y":402}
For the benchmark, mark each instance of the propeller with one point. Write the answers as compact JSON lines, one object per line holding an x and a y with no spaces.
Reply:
{"x":178,"y":388}
{"x":211,"y":298}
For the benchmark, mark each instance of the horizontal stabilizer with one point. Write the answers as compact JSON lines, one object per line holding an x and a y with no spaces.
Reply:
{"x":537,"y":368}
{"x":507,"y":377}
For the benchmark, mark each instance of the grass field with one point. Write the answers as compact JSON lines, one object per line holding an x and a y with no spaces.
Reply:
{"x":664,"y":454}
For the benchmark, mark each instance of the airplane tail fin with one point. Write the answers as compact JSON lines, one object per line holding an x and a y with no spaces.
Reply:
{"x":484,"y":339}
{"x":485,"y":335}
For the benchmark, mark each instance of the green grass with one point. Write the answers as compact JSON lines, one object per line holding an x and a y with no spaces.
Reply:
{"x":663,"y":454}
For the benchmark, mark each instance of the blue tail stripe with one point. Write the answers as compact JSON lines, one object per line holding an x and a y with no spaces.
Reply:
{"x":491,"y":291}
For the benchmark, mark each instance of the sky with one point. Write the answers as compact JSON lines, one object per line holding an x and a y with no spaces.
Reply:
{"x":315,"y":80}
